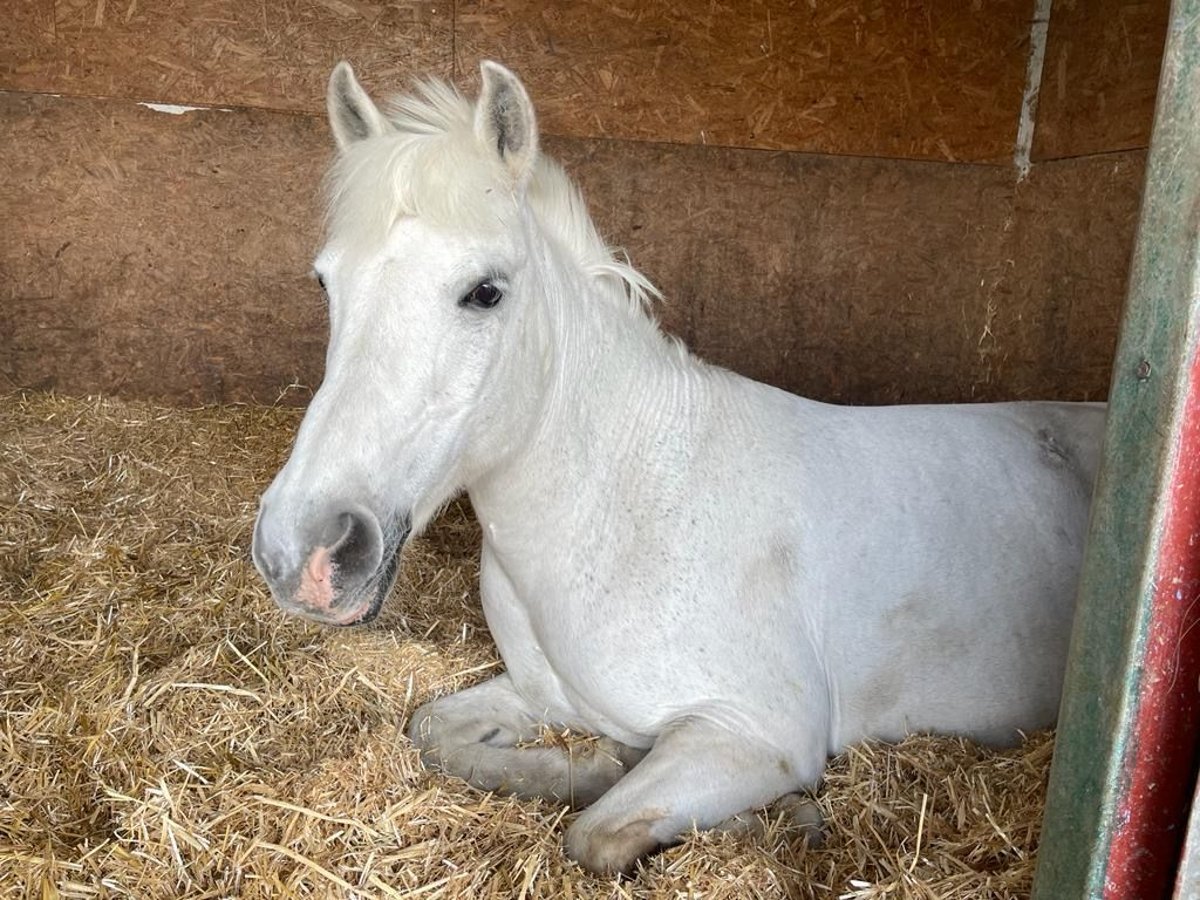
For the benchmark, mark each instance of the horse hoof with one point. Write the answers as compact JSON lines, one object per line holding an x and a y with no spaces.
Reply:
{"x":805,"y":815}
{"x":609,"y":853}
{"x":793,"y":810}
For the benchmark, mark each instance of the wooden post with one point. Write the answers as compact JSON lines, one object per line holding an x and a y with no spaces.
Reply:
{"x":1124,"y":767}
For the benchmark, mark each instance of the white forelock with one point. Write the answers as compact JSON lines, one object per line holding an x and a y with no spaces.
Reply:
{"x":432,"y":166}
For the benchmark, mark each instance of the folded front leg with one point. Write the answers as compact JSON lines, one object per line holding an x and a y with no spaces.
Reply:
{"x":473,"y":734}
{"x":697,"y":775}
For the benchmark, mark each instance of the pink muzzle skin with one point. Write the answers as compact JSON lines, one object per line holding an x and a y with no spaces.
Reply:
{"x":315,"y":594}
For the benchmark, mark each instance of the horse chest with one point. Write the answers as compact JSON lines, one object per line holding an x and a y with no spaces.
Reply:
{"x":617,"y":652}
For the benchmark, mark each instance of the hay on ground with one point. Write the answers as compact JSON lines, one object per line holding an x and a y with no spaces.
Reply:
{"x":166,"y":732}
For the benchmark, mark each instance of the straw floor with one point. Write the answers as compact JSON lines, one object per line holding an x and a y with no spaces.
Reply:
{"x":166,"y":732}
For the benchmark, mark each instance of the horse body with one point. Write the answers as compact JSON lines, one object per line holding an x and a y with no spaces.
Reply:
{"x":725,"y":581}
{"x":768,"y":559}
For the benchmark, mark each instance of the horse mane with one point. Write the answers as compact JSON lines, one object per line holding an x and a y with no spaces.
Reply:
{"x":432,"y":166}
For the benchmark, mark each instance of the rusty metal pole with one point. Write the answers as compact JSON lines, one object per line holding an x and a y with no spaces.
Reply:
{"x":1125,"y":762}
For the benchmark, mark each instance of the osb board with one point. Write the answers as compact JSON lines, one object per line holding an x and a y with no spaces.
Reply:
{"x":939,"y":80}
{"x":220,"y":52}
{"x":1056,"y":301}
{"x":1100,"y":76}
{"x":157,"y":255}
{"x":873,"y":281}
{"x":840,"y":278}
{"x":167,"y":256}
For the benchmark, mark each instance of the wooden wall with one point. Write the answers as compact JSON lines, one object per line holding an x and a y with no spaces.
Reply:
{"x":824,"y":190}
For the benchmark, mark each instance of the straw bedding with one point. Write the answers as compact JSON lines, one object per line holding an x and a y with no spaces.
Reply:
{"x":166,"y":732}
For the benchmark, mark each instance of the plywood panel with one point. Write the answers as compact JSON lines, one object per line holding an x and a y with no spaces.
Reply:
{"x":1060,"y":287}
{"x":843,"y":279}
{"x":218,"y":52}
{"x":896,"y":78}
{"x":164,"y":256}
{"x":937,"y":80}
{"x":1100,"y":76}
{"x":155,"y":255}
{"x":874,"y":281}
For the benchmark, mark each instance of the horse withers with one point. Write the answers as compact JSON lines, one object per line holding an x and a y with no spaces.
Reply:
{"x":726,"y":582}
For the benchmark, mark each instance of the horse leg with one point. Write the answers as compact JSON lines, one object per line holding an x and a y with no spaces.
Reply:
{"x":697,"y":775}
{"x":796,"y":810}
{"x":473,"y":734}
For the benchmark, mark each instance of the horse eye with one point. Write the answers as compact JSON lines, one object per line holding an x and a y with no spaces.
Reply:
{"x":321,"y":282}
{"x":484,"y":295}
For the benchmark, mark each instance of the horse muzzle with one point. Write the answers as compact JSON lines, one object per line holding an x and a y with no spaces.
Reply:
{"x":336,"y":569}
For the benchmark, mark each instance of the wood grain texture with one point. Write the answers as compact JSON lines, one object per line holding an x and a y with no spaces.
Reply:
{"x":844,"y":279}
{"x":1100,"y":77}
{"x":1057,"y":294}
{"x":218,"y":52}
{"x":894,"y":78}
{"x":936,"y":80}
{"x":1057,"y":291}
{"x":875,"y":281}
{"x":167,"y":256}
{"x":157,"y":255}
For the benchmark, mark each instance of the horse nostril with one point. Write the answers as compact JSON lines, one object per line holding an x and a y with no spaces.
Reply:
{"x":358,"y":546}
{"x":341,"y":552}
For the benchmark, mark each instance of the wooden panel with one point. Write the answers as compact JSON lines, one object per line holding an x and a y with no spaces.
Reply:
{"x":158,"y":255}
{"x":897,"y":78}
{"x":167,"y":256}
{"x":869,"y":281}
{"x":1100,"y":76}
{"x":219,"y":52}
{"x":844,"y":279}
{"x":1060,"y":284}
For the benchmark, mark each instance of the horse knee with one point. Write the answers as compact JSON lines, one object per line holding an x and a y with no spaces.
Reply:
{"x":420,"y":726}
{"x":433,"y":732}
{"x":697,"y":775}
{"x":437,"y":732}
{"x":606,"y":852}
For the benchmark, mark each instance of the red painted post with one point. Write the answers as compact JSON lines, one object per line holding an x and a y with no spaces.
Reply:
{"x":1125,"y":761}
{"x":1158,"y":768}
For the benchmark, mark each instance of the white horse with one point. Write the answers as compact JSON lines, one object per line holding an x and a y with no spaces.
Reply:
{"x":725,"y":581}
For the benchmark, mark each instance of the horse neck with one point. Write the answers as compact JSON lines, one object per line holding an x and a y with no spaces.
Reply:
{"x":612,"y":382}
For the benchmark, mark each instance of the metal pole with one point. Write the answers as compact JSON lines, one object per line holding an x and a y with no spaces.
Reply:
{"x":1125,"y":760}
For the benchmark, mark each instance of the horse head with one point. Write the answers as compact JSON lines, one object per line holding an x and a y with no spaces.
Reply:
{"x":425,"y":268}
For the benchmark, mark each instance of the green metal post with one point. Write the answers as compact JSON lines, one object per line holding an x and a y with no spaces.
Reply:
{"x":1124,"y":765}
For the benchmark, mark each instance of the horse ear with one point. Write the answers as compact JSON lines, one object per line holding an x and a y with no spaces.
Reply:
{"x":353,"y":116}
{"x":504,"y":120}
